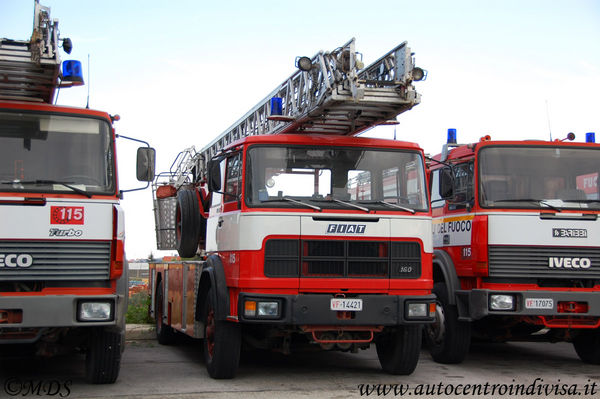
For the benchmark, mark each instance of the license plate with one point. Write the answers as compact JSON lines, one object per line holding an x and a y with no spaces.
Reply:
{"x":539,"y":303}
{"x":346,"y":304}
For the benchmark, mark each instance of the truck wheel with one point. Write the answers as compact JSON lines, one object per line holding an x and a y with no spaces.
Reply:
{"x":103,"y":357}
{"x":587,"y":345}
{"x":448,"y":338}
{"x":222,"y":342}
{"x":187,"y":223}
{"x":164,"y":333}
{"x":398,"y":350}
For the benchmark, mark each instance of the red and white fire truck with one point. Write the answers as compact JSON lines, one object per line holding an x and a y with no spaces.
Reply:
{"x":516,"y":236}
{"x":307,"y":233}
{"x":63,"y":280}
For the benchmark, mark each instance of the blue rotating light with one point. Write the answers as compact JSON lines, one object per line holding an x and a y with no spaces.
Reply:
{"x":72,"y":72}
{"x":590,"y":137}
{"x":276,"y":106}
{"x":451,"y":136}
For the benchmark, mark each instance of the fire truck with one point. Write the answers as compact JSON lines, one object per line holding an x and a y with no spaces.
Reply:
{"x":63,"y":279}
{"x":516,"y":237}
{"x":303,"y":233}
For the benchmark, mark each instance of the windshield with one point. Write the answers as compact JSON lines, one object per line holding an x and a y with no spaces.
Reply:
{"x":339,"y":178}
{"x":539,"y":177}
{"x":52,"y":153}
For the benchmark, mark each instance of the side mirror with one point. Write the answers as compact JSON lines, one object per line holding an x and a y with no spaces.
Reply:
{"x":214,"y":174}
{"x":446,"y":183}
{"x":146,"y":160}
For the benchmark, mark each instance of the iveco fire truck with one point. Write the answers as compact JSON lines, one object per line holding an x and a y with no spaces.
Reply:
{"x":517,"y":244}
{"x":309,"y":235}
{"x":62,"y":267}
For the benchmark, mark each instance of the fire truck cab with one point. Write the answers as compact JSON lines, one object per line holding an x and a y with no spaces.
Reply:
{"x":306,"y":234}
{"x":516,"y":236}
{"x":63,"y":272}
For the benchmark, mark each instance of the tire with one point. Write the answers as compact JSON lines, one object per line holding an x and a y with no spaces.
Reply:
{"x":222,"y":342}
{"x":587,"y":345}
{"x":165,"y":335}
{"x":103,"y":357}
{"x":398,"y":350}
{"x":448,"y":338}
{"x":187,"y":223}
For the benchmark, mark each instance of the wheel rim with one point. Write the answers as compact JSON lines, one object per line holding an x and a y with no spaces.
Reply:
{"x":210,"y":332}
{"x":437,"y":329}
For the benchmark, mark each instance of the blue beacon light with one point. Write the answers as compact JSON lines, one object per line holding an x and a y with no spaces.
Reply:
{"x":72,"y":72}
{"x":276,"y":106}
{"x":451,"y":136}
{"x":590,"y":137}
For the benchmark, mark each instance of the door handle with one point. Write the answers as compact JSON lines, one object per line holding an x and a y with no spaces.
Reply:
{"x":220,"y":222}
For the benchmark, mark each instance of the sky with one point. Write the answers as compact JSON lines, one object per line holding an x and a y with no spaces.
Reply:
{"x":181,"y":72}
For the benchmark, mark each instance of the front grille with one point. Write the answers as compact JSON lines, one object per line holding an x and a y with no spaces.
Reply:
{"x":340,"y":258}
{"x":57,"y":260}
{"x":533,"y":262}
{"x":281,"y":258}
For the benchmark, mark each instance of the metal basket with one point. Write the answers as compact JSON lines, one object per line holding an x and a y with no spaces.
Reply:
{"x":165,"y":219}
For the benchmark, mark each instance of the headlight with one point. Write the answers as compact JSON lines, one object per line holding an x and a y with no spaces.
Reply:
{"x":502,"y":302}
{"x":268,"y":309}
{"x":95,"y":311}
{"x":418,"y":310}
{"x":254,"y":308}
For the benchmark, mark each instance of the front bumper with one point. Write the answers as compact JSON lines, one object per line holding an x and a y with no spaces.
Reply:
{"x":475,"y":304}
{"x":57,"y":310}
{"x":314,"y":309}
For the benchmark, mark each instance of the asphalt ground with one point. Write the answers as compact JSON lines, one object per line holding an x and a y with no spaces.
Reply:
{"x":150,"y":370}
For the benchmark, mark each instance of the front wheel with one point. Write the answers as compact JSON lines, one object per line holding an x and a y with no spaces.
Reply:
{"x":222,"y":342}
{"x":103,"y":357}
{"x":587,"y":346}
{"x":448,"y":338}
{"x":398,"y":349}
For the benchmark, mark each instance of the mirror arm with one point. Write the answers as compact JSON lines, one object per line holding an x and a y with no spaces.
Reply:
{"x":133,"y":189}
{"x":147,"y":183}
{"x":132,"y":139}
{"x":438,"y":161}
{"x":236,"y":196}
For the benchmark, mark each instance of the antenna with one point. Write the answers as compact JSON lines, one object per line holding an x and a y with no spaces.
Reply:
{"x":87,"y":104}
{"x":548,"y":116}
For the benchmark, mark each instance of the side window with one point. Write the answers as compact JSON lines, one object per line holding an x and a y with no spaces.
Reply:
{"x":233,"y":177}
{"x":463,"y":182}
{"x":436,"y":199}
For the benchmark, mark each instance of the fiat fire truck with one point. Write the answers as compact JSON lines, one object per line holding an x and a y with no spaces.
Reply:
{"x":302,"y":233}
{"x":517,"y":244}
{"x":63,"y":280}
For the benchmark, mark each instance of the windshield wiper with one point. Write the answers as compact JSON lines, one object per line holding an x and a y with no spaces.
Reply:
{"x":390,"y":205}
{"x":585,"y":201}
{"x":537,"y":201}
{"x":362,"y":208}
{"x":293,"y":201}
{"x":39,"y":181}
